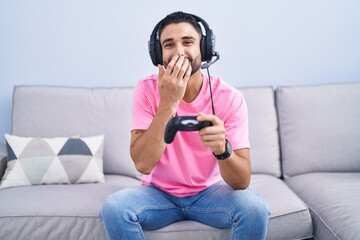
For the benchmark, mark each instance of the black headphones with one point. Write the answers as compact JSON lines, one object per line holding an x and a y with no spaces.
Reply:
{"x":207,"y":44}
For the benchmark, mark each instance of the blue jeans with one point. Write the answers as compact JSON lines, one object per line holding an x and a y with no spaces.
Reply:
{"x":126,"y":213}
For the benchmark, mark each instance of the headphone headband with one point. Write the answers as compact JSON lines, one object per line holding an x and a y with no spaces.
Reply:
{"x":207,"y":44}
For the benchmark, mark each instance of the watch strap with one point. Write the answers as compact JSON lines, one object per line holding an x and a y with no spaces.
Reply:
{"x":227,"y":153}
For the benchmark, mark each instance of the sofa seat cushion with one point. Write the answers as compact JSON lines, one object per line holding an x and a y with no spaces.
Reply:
{"x":333,"y":200}
{"x":29,"y":212}
{"x":57,"y":211}
{"x":289,"y":216}
{"x":188,"y":230}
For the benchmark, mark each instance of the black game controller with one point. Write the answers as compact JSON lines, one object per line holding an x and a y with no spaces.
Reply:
{"x":183,"y":123}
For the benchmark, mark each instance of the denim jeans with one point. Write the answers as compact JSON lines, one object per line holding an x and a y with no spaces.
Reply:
{"x":126,"y":213}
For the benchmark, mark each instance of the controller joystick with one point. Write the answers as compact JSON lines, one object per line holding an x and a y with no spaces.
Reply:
{"x":183,"y":123}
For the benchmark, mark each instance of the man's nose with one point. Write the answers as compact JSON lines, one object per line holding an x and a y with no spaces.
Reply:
{"x":179,"y":50}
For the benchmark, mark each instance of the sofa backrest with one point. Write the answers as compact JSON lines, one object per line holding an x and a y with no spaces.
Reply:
{"x":52,"y":111}
{"x":319,"y":128}
{"x":263,"y":130}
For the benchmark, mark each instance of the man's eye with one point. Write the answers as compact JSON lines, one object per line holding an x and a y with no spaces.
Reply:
{"x":188,"y":42}
{"x":167,"y":45}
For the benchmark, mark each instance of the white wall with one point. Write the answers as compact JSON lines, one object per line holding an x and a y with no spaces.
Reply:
{"x":104,"y":42}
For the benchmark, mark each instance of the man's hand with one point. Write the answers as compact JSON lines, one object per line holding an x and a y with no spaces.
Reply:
{"x":173,"y":80}
{"x":213,"y":136}
{"x":236,"y":169}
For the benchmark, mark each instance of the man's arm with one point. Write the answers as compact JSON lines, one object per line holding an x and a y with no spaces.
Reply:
{"x":147,"y":146}
{"x":236,"y":169}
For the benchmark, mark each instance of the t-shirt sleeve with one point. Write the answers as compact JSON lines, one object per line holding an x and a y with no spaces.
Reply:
{"x":142,"y":110}
{"x":237,"y":123}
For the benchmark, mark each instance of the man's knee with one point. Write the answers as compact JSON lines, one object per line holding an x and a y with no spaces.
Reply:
{"x":252,"y":207}
{"x":114,"y":204}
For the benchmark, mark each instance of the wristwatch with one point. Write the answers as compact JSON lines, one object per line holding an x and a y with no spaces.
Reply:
{"x":227,"y":153}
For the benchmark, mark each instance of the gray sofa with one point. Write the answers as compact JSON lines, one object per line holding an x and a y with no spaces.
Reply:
{"x":305,"y":162}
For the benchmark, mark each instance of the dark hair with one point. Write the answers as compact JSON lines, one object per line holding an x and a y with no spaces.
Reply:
{"x":179,"y":17}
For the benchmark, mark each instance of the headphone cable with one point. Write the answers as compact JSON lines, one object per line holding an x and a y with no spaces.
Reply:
{"x":211,"y":94}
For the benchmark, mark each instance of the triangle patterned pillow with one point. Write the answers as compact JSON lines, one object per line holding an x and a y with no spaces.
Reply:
{"x":60,"y":160}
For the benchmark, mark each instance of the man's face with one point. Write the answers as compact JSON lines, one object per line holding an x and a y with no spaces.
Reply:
{"x":181,"y":39}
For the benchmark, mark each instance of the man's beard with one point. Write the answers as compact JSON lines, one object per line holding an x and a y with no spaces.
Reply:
{"x":195,"y":65}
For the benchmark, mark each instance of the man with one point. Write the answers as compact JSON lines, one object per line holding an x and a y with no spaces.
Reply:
{"x":198,"y":176}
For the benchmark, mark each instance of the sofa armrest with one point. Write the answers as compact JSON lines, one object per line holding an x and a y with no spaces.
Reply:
{"x":3,"y":159}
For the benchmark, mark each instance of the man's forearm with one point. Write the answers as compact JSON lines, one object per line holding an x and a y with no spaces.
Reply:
{"x":148,"y":146}
{"x":236,"y":169}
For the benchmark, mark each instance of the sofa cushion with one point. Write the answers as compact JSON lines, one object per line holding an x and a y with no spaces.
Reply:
{"x":57,"y":211}
{"x":189,"y":230}
{"x":263,"y":130}
{"x":333,"y":200}
{"x":33,"y":161}
{"x":53,"y":111}
{"x":24,"y":209}
{"x":289,"y":216}
{"x":319,"y":128}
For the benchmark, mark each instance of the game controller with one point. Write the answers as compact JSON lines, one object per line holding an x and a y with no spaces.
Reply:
{"x":183,"y":123}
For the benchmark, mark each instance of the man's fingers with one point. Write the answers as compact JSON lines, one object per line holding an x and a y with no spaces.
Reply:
{"x":176,"y":75}
{"x":184,"y":69}
{"x":170,"y":66}
{"x":160,"y":76}
{"x":177,"y":67}
{"x":161,"y":71}
{"x":209,"y":117}
{"x":188,"y":72}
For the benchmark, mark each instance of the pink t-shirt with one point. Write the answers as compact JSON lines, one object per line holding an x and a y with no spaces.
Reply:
{"x":187,"y":166}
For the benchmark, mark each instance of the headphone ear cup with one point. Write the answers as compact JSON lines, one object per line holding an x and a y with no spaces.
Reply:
{"x":203,"y":49}
{"x":154,"y":46}
{"x":155,"y":52}
{"x":158,"y":53}
{"x":151,"y":49}
{"x":207,"y":46}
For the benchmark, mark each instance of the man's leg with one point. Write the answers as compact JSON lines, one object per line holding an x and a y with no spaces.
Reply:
{"x":242,"y":210}
{"x":127,"y":212}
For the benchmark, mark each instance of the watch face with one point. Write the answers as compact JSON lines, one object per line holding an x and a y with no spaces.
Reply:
{"x":228,"y":148}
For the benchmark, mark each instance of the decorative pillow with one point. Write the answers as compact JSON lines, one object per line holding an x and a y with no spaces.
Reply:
{"x":60,"y":160}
